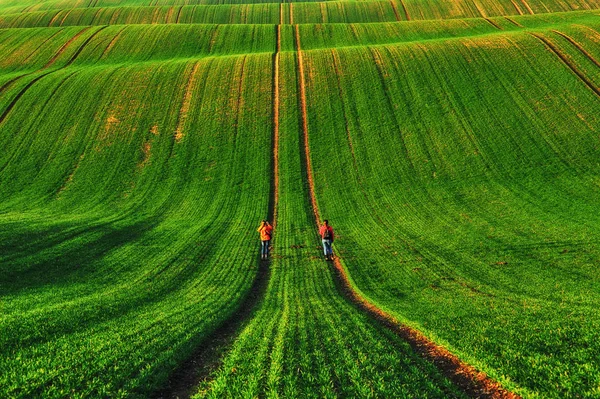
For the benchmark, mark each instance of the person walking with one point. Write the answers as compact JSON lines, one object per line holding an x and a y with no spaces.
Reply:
{"x":266,"y":231}
{"x":327,"y":237}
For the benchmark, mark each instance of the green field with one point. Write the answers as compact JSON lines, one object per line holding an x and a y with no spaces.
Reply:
{"x":454,"y":146}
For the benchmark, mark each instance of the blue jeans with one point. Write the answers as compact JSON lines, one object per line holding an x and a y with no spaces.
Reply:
{"x":264,"y":247}
{"x":327,"y":247}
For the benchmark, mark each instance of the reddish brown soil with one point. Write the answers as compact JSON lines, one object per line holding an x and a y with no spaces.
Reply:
{"x":474,"y":383}
{"x":395,"y":10}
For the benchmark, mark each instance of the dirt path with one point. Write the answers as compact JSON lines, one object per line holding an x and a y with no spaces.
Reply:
{"x":302,"y":87}
{"x":553,"y":48}
{"x":208,"y":356}
{"x":474,"y":383}
{"x":275,"y":181}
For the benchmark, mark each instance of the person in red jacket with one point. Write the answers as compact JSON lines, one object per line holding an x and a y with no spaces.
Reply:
{"x":266,"y":231}
{"x":327,"y":237}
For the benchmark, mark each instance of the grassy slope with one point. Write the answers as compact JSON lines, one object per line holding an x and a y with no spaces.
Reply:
{"x":147,"y":251}
{"x":472,"y":235}
{"x":305,"y":339}
{"x":478,"y":227}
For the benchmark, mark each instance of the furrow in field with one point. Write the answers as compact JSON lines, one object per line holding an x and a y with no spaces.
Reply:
{"x":494,"y":24}
{"x":395,"y":10}
{"x":512,"y":21}
{"x":528,"y":7}
{"x":474,"y":383}
{"x":111,"y":44}
{"x":85,"y":43}
{"x":517,"y":7}
{"x":304,"y":117}
{"x":6,"y":85}
{"x":54,"y":18}
{"x":276,"y":106}
{"x":579,"y":47}
{"x":198,"y":369}
{"x":554,"y":49}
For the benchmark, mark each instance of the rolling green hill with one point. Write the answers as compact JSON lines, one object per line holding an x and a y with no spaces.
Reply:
{"x":453,"y":146}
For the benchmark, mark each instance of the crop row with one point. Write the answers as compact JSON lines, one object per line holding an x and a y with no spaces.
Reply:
{"x":122,"y":248}
{"x":461,"y":176}
{"x":305,"y":339}
{"x":28,"y":50}
{"x":288,"y":13}
{"x":464,"y":196}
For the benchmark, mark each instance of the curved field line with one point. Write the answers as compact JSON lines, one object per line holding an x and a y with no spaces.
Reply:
{"x":527,"y":6}
{"x":517,"y":7}
{"x":6,"y":85}
{"x":85,"y":43}
{"x":474,"y":383}
{"x":512,"y":21}
{"x":178,"y":15}
{"x":554,"y":49}
{"x":64,"y":47}
{"x":42,"y":45}
{"x":208,"y":356}
{"x":112,"y":43}
{"x":18,"y":96}
{"x":54,"y":18}
{"x":479,"y":9}
{"x":579,"y":47}
{"x":395,"y":10}
{"x":495,"y":25}
{"x":62,"y":21}
{"x":405,"y":10}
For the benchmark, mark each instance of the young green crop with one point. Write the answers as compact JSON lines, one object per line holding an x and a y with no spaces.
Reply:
{"x":477,"y":227}
{"x":461,"y":175}
{"x":148,"y":253}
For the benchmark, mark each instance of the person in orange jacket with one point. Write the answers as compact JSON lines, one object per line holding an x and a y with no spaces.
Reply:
{"x":266,"y":231}
{"x":327,"y":237}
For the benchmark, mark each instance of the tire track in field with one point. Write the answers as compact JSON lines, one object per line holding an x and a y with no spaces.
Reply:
{"x":28,"y":86}
{"x":208,"y":357}
{"x":527,"y":6}
{"x":579,"y":47}
{"x":395,"y":9}
{"x":178,"y":15}
{"x":512,"y":21}
{"x":494,"y":24}
{"x":60,"y":51}
{"x":112,"y":43}
{"x":474,"y":383}
{"x":3,"y":116}
{"x":554,"y":49}
{"x":517,"y":7}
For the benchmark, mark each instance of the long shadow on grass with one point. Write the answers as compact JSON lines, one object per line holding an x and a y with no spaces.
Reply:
{"x":207,"y":357}
{"x":21,"y":270}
